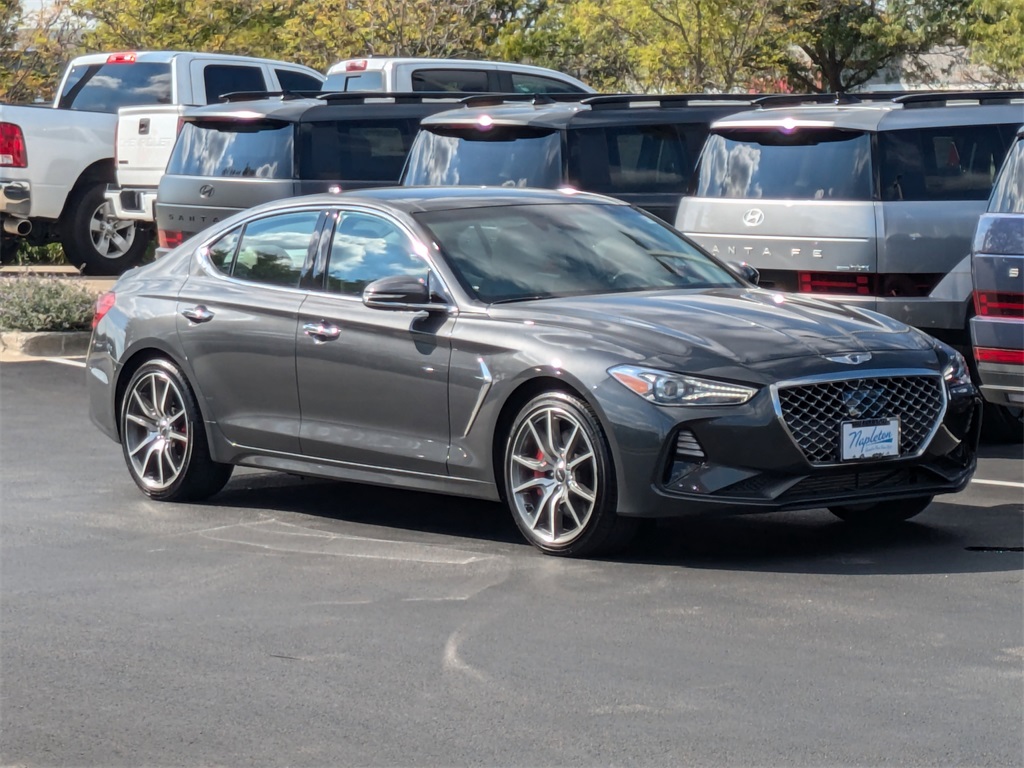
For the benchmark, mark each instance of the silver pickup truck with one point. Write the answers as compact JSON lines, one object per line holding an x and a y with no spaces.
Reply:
{"x":56,"y":163}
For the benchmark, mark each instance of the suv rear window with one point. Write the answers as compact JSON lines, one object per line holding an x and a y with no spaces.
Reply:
{"x":948,"y":163}
{"x":357,"y":150}
{"x":814,"y":164}
{"x":223,"y":148}
{"x":516,"y":156}
{"x":632,"y":158}
{"x":107,"y":87}
{"x":1008,"y":193}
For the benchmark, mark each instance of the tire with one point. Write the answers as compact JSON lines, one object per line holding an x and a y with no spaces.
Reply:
{"x":1002,"y":423}
{"x":94,"y":240}
{"x":163,"y":438}
{"x":559,"y":480}
{"x":882,"y":513}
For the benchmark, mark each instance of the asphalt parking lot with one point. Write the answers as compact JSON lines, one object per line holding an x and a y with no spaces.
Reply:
{"x":308,"y":623}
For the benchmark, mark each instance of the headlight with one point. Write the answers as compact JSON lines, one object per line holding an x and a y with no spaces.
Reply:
{"x":664,"y":388}
{"x":956,"y":373}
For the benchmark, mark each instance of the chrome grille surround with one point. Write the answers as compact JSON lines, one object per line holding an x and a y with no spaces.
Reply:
{"x":813,"y":409}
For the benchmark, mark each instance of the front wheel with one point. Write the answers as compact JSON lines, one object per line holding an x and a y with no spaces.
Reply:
{"x":559,"y":479}
{"x":882,"y":513}
{"x":95,"y":240}
{"x":163,"y":438}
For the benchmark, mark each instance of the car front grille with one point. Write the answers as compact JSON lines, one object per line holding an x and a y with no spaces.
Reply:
{"x":814,"y":413}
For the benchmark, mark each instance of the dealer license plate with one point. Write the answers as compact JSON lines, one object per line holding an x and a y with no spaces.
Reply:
{"x":870,"y":439}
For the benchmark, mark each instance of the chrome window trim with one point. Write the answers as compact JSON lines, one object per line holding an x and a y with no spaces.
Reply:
{"x":875,"y":373}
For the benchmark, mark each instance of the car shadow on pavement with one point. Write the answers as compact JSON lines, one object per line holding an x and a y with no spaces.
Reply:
{"x":946,"y":538}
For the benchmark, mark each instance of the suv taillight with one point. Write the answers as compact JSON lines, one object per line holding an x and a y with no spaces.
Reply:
{"x":12,"y":146}
{"x":104,"y":304}
{"x":1001,"y":356}
{"x":1009,"y":306}
{"x":837,"y":283}
{"x":168,"y":238}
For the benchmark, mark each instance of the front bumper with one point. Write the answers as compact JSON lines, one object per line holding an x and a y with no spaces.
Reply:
{"x":747,"y":461}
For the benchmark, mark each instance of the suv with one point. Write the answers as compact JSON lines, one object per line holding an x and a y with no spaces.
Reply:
{"x":639,"y":148}
{"x":460,"y":75}
{"x":236,"y":155}
{"x":869,"y":203}
{"x":997,"y":329}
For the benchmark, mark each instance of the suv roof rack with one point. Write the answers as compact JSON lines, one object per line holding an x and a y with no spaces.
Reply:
{"x":796,"y":99}
{"x":496,"y":99}
{"x":611,"y":101}
{"x":351,"y":97}
{"x":928,"y":99}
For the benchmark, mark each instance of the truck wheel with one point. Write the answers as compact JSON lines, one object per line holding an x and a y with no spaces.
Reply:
{"x":94,"y":240}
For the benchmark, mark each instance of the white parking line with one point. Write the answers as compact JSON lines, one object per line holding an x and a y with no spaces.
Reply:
{"x":1001,"y":483}
{"x":64,"y":361}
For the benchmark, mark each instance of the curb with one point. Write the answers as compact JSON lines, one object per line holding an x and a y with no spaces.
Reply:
{"x":46,"y":344}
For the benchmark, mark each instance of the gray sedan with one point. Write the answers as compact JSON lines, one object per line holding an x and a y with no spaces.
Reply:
{"x":565,"y":353}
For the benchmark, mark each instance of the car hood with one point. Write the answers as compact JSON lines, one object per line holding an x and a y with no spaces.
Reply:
{"x":741,"y":326}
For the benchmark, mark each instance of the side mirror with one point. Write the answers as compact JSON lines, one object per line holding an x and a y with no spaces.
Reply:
{"x":401,"y":292}
{"x":744,"y":270}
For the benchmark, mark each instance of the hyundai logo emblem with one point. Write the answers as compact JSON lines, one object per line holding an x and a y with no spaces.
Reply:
{"x":853,"y":358}
{"x":206,"y":190}
{"x":753,"y":217}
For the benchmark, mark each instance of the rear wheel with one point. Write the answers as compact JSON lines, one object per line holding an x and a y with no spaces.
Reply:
{"x":163,"y":438}
{"x":882,"y":513}
{"x":95,"y":240}
{"x":559,"y":480}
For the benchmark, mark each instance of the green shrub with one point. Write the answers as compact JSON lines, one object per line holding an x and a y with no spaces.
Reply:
{"x":41,"y":303}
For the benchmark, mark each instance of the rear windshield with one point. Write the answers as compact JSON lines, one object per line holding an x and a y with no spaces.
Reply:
{"x":494,"y":156}
{"x":1008,"y":193}
{"x":633,"y":158}
{"x":360,"y":81}
{"x":357,"y":150}
{"x":259,"y":150}
{"x":803,"y":164}
{"x":107,"y":87}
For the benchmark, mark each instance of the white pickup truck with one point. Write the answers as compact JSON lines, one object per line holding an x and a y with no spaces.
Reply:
{"x":56,"y":163}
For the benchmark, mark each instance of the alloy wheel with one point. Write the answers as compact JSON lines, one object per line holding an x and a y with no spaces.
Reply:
{"x":111,"y":237}
{"x":156,"y":430}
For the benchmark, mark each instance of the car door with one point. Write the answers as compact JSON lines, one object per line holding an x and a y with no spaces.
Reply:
{"x":237,"y":320}
{"x":373,"y":384}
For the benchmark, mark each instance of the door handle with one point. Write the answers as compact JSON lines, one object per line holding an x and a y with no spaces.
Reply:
{"x":321,"y":332}
{"x":198,"y":314}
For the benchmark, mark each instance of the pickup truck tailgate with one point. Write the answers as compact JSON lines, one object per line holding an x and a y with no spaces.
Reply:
{"x":145,"y":137}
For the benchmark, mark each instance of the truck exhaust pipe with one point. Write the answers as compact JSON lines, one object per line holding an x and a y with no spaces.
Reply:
{"x":19,"y":227}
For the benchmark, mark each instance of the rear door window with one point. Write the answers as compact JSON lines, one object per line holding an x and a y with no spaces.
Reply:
{"x":107,"y":87}
{"x":356,"y":150}
{"x":1008,"y":193}
{"x":802,"y":164}
{"x":273,"y":250}
{"x":291,"y":80}
{"x":233,"y":149}
{"x":511,"y":156}
{"x":948,"y":163}
{"x":230,"y":78}
{"x":523,"y":83}
{"x":630,"y":159}
{"x":463,"y":80}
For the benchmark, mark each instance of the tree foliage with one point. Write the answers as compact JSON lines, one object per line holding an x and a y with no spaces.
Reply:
{"x":33,"y":50}
{"x":996,"y":34}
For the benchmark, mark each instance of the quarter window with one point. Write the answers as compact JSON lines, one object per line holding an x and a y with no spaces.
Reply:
{"x":222,"y":252}
{"x":274,"y":250}
{"x":366,"y":248}
{"x":634,"y":158}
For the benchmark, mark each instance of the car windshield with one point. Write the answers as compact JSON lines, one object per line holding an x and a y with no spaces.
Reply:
{"x":519,"y":252}
{"x":508,"y":156}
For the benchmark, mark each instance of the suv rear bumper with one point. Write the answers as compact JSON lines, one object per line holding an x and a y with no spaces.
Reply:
{"x":132,"y":204}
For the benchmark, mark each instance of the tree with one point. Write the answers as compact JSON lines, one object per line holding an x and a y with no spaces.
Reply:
{"x":34,"y":48}
{"x":844,"y":43}
{"x":996,"y":34}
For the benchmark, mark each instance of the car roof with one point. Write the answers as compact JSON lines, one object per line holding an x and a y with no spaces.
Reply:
{"x":415,"y":199}
{"x":588,"y":111}
{"x":291,"y":108}
{"x":902,"y":111}
{"x":164,"y":57}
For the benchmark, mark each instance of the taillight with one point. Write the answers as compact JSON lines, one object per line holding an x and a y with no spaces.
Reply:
{"x":104,"y":304}
{"x":996,"y":304}
{"x":357,"y":65}
{"x":127,"y":57}
{"x":1004,"y":356}
{"x":836,"y":282}
{"x":168,"y":238}
{"x":12,"y":146}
